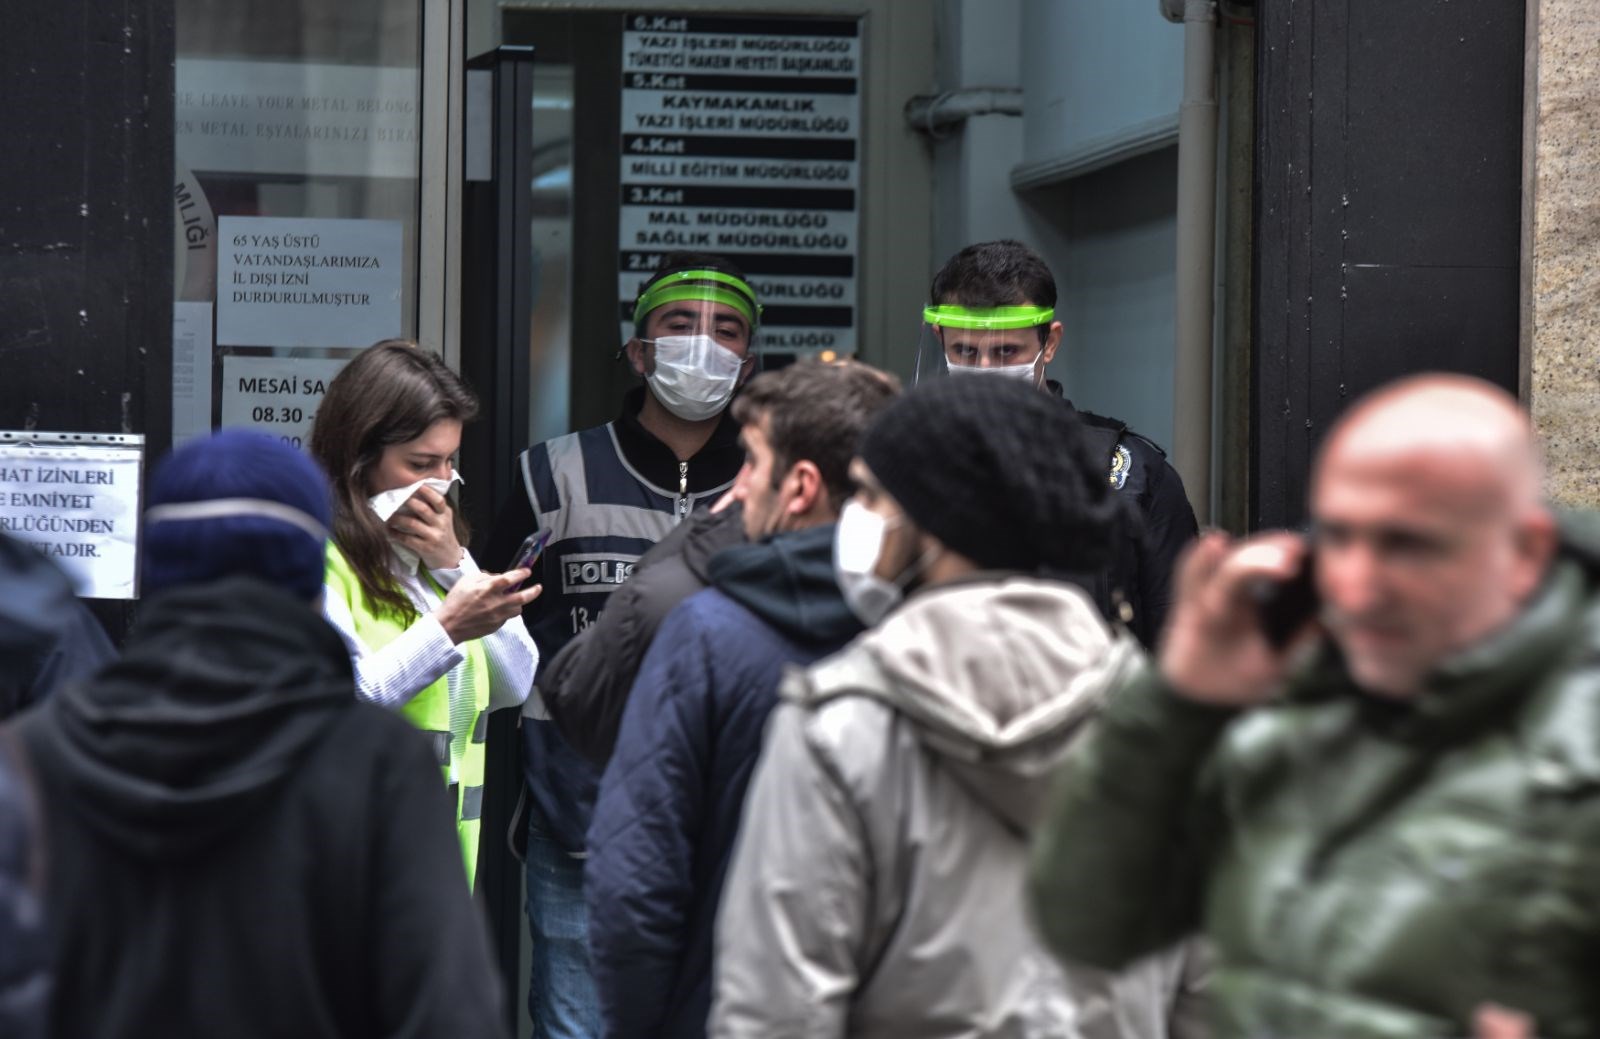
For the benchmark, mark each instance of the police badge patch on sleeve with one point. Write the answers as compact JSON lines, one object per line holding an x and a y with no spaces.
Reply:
{"x":1121,"y":462}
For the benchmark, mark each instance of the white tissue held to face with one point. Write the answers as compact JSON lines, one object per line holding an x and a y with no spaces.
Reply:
{"x":389,"y":502}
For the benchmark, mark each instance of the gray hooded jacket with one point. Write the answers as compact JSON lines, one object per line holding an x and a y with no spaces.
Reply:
{"x":877,"y":887}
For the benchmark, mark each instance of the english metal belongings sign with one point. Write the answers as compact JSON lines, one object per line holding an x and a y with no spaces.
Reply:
{"x":75,"y":497}
{"x":297,"y":118}
{"x":740,"y":137}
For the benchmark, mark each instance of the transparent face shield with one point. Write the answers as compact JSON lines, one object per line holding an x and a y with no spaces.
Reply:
{"x":693,"y":336}
{"x":984,"y":342}
{"x":704,"y":303}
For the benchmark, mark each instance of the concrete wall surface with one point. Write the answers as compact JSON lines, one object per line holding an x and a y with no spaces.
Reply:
{"x":1561,"y":229}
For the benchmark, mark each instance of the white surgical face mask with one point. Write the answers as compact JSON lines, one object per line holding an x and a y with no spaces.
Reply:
{"x":694,"y":377}
{"x":1028,"y":373}
{"x":857,"y":544}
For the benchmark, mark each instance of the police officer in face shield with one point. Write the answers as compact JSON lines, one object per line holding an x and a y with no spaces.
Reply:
{"x":991,"y":314}
{"x":607,"y":494}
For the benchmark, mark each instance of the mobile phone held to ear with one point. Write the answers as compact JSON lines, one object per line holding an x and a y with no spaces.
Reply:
{"x":528,"y":552}
{"x":1284,"y":607}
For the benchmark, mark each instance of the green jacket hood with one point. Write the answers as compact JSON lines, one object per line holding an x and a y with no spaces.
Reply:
{"x":1489,"y":676}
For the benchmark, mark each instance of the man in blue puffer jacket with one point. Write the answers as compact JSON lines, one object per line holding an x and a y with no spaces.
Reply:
{"x":669,"y":805}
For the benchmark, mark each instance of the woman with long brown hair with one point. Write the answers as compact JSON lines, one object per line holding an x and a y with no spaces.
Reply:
{"x":429,"y":633}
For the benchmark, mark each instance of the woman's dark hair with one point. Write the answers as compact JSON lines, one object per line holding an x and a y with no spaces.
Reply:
{"x":390,"y":394}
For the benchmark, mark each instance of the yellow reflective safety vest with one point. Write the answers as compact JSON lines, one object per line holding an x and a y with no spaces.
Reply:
{"x":461,"y":760}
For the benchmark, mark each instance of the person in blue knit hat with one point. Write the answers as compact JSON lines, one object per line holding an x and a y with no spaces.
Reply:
{"x":238,"y":846}
{"x":240,"y":503}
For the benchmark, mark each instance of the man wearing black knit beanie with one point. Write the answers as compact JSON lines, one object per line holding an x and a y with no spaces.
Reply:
{"x":875,"y":889}
{"x":991,"y":316}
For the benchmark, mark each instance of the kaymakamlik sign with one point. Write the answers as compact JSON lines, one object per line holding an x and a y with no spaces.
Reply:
{"x":740,"y":136}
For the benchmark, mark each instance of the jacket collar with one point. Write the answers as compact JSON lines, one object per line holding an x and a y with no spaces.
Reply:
{"x":711,"y":467}
{"x":788,"y":581}
{"x":1476,"y":685}
{"x":1089,"y":418}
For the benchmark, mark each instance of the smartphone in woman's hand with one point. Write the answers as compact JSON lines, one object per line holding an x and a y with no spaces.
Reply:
{"x":528,"y":553}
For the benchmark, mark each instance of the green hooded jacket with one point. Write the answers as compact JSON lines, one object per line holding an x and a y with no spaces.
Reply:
{"x":1364,"y":868}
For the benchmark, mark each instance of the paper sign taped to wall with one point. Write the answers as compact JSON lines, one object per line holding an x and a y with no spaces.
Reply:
{"x":77,"y":502}
{"x":191,"y":371}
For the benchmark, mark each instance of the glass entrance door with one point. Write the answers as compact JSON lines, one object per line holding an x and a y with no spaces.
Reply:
{"x":297,"y":201}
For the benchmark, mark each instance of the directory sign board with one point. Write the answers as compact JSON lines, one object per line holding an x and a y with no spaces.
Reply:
{"x":741,"y":137}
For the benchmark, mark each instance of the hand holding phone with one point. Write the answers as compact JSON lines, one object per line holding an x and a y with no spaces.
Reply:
{"x":1284,"y":608}
{"x":1217,"y":648}
{"x":528,"y":552}
{"x":478,"y":604}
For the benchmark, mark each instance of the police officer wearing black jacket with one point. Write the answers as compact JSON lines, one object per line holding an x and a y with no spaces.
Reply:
{"x":992,"y":315}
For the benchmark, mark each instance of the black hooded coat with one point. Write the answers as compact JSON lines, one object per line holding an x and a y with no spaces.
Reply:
{"x":236,"y":847}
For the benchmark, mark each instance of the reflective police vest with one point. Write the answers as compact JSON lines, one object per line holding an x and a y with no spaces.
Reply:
{"x":461,"y":760}
{"x":602,"y":515}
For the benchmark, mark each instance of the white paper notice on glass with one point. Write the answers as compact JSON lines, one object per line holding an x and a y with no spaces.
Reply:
{"x":191,"y":371}
{"x":288,"y":281}
{"x":76,"y":503}
{"x":277,"y":395}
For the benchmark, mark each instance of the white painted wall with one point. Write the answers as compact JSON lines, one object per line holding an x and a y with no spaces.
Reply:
{"x":1099,"y":73}
{"x":1118,"y":292}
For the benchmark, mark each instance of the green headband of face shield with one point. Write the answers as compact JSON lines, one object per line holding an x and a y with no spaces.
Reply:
{"x":693,"y":285}
{"x":949,"y":315}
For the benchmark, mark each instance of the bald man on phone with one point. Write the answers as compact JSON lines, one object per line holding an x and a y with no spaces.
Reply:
{"x":1388,"y":822}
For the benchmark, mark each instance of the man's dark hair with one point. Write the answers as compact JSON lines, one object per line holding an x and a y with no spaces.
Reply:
{"x":994,"y":274}
{"x":1005,"y":273}
{"x":817,"y":411}
{"x":674,"y":262}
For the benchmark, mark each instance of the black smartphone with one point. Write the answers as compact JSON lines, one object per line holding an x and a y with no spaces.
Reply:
{"x":528,"y":553}
{"x":1284,"y":607}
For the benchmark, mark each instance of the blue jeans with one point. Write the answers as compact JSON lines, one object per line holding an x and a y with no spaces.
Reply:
{"x":561,"y":996}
